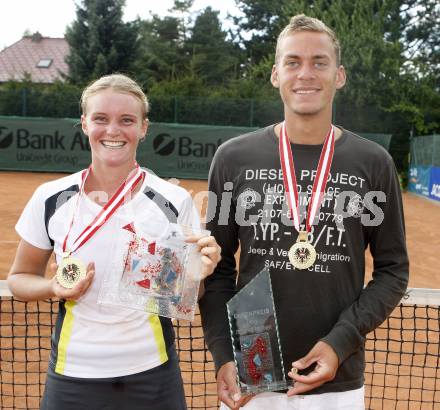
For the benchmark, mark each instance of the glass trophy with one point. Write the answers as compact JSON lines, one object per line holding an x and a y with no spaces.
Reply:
{"x":255,"y":338}
{"x":160,"y":275}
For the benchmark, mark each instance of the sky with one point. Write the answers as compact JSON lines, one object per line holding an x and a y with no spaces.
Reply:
{"x":50,"y":17}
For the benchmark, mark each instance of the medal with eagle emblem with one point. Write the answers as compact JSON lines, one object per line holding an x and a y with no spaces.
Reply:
{"x":302,"y":254}
{"x":70,"y":271}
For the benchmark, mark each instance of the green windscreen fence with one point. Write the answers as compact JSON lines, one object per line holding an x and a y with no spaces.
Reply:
{"x":425,"y":151}
{"x":170,"y":150}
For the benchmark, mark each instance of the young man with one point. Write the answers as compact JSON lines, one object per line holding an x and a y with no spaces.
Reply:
{"x":264,"y":199}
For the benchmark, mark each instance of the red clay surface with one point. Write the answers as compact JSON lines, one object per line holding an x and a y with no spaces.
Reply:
{"x":422,"y":218}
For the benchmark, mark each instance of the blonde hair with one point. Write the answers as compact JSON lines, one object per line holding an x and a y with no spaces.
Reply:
{"x":301,"y":22}
{"x":119,"y":83}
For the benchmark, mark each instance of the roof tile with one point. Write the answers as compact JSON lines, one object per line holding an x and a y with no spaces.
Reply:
{"x":23,"y":56}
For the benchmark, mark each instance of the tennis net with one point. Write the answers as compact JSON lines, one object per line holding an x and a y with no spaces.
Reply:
{"x":402,"y":370}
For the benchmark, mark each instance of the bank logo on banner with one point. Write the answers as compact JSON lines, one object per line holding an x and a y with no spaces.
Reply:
{"x":164,"y":144}
{"x":5,"y":138}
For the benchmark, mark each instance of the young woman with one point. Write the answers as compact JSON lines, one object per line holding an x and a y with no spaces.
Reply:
{"x":104,"y":357}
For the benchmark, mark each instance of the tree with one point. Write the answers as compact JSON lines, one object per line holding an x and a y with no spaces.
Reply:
{"x":212,"y":57}
{"x":189,"y":63}
{"x":161,"y":55}
{"x":182,"y":8}
{"x":421,"y":71}
{"x":100,"y":42}
{"x":262,"y":20}
{"x":422,"y":35}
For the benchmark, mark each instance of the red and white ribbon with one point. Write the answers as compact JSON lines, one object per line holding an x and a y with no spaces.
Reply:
{"x":289,"y":178}
{"x":106,"y":212}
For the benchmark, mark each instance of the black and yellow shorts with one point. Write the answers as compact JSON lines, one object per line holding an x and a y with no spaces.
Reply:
{"x":160,"y":388}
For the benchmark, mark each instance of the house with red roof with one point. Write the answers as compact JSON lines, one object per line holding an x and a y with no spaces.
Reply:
{"x":40,"y":59}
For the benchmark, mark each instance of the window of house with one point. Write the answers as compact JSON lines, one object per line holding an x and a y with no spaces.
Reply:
{"x":44,"y":63}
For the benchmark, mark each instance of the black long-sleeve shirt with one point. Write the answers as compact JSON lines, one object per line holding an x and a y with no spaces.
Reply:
{"x":362,"y":207}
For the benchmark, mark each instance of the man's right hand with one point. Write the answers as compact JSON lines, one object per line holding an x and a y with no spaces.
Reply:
{"x":227,"y":388}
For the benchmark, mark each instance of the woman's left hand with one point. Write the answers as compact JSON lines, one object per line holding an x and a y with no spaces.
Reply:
{"x":210,"y":250}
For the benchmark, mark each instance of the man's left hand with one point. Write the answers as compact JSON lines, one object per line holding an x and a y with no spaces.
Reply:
{"x":327,"y":363}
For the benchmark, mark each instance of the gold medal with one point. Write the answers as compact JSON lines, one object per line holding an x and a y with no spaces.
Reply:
{"x":70,"y":271}
{"x":302,"y":254}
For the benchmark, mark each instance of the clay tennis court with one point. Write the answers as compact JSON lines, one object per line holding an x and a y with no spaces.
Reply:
{"x":422,"y":223}
{"x":422,"y":219}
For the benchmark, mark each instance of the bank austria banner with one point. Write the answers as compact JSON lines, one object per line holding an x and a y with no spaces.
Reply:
{"x":424,"y":180}
{"x":34,"y":144}
{"x":434,"y":186}
{"x":419,"y":180}
{"x":59,"y":145}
